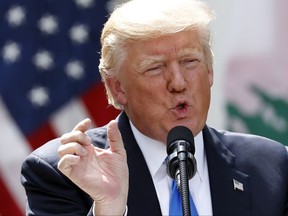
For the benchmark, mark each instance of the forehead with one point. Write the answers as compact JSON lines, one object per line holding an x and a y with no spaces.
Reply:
{"x":177,"y":44}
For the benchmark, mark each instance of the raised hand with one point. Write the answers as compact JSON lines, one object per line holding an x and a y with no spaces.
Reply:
{"x":101,"y":173}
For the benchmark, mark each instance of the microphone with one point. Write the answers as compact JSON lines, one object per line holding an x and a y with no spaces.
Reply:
{"x":180,"y":147}
{"x":181,"y":164}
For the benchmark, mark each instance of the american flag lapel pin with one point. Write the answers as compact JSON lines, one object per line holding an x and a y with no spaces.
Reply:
{"x":238,"y":185}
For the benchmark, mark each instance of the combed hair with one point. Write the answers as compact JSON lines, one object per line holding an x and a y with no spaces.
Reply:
{"x":147,"y":19}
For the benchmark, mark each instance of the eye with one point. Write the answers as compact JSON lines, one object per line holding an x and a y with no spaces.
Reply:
{"x":154,"y":69}
{"x":190,"y":63}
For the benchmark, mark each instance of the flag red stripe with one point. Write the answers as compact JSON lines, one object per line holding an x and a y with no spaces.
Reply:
{"x":8,"y":206}
{"x":97,"y":105}
{"x":42,"y":135}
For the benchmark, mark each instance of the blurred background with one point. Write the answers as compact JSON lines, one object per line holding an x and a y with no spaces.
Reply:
{"x":49,"y":79}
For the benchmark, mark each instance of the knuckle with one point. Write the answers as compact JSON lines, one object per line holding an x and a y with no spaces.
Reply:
{"x":61,"y":151}
{"x":74,"y":136}
{"x":64,"y":137}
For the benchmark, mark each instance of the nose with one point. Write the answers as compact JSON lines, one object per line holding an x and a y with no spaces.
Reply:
{"x":176,"y":79}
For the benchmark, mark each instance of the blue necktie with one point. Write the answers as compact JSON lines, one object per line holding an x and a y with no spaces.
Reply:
{"x":176,"y":202}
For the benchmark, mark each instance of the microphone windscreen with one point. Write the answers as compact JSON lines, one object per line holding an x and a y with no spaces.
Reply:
{"x":180,"y":133}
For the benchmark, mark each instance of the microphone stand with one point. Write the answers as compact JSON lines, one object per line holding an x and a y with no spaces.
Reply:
{"x":182,"y":178}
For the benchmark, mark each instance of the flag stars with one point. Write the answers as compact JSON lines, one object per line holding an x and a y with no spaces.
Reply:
{"x":79,"y":33}
{"x":84,"y":3}
{"x":39,"y":96}
{"x":11,"y":52}
{"x":48,"y":24}
{"x":75,"y":69}
{"x":43,"y":60}
{"x":15,"y":16}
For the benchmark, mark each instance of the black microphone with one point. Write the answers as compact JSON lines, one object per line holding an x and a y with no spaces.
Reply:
{"x":181,"y":164}
{"x":180,"y":147}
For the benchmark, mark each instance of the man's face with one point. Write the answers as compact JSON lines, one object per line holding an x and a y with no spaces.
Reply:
{"x":165,"y":82}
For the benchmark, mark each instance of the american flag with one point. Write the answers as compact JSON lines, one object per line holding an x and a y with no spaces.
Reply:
{"x":49,"y":80}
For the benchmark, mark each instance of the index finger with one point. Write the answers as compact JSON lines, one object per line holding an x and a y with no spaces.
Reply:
{"x":83,"y":125}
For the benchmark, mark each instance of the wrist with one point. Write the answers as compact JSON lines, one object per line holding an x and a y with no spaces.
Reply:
{"x":111,"y":207}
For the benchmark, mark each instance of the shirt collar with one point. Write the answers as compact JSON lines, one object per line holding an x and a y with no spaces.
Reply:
{"x":154,"y":158}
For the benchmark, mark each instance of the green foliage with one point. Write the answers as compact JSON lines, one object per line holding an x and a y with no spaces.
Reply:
{"x":271,"y":119}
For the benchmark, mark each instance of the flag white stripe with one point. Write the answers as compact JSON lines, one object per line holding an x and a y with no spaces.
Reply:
{"x":14,"y":149}
{"x":68,"y":116}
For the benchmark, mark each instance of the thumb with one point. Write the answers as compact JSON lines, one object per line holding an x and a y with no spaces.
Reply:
{"x":114,"y":137}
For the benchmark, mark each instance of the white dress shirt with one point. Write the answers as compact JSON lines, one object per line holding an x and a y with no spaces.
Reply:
{"x":154,"y":153}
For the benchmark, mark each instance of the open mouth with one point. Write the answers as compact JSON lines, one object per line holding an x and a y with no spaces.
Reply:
{"x":181,"y":106}
{"x":181,"y":110}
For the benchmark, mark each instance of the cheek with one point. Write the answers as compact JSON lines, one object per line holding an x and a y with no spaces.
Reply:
{"x":144,"y":96}
{"x":147,"y":97}
{"x":148,"y":89}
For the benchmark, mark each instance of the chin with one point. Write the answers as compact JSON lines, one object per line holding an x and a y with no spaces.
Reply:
{"x":194,"y":127}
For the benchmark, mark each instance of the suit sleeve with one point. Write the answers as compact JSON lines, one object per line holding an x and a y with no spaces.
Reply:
{"x":49,"y":192}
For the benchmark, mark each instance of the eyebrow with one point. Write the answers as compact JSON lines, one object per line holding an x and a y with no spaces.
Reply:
{"x":190,"y":52}
{"x":150,"y":60}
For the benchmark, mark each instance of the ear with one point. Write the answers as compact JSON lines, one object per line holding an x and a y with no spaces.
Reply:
{"x":211,"y":76}
{"x":116,"y":89}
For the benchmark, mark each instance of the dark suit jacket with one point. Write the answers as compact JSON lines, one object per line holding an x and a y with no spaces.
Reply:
{"x":259,"y":164}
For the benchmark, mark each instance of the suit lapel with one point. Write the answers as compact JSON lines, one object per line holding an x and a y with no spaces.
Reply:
{"x":142,"y":197}
{"x":230,"y":188}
